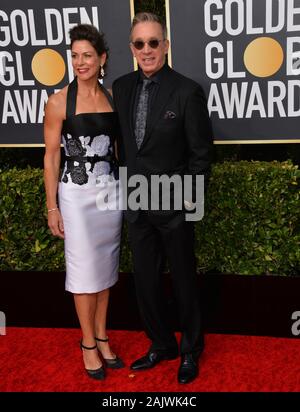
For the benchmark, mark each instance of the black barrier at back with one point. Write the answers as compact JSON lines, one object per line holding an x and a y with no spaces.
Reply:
{"x":35,"y":57}
{"x":246,"y":55}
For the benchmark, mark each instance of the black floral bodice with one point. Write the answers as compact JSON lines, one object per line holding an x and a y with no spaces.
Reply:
{"x":88,"y":140}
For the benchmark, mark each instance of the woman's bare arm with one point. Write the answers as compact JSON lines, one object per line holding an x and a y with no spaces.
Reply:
{"x":52,"y":134}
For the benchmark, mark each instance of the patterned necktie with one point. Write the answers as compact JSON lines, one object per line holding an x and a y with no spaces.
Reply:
{"x":141,"y":113}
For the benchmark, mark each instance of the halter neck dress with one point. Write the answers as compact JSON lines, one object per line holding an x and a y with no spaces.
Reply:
{"x":92,"y":232}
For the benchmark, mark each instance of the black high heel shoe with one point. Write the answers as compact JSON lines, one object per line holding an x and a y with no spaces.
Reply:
{"x":99,"y":373}
{"x":115,"y":363}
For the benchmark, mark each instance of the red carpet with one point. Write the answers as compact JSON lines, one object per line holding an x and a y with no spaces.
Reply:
{"x":47,"y":360}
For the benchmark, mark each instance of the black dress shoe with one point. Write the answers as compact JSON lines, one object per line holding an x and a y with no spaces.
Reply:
{"x":188,"y":369}
{"x":153,"y":358}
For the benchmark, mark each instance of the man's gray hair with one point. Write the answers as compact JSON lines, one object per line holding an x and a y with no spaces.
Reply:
{"x":145,"y":17}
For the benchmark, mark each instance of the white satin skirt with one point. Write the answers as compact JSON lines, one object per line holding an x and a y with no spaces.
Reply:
{"x":92,"y":238}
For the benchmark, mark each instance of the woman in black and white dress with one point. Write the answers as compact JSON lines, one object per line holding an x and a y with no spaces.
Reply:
{"x":82,"y":116}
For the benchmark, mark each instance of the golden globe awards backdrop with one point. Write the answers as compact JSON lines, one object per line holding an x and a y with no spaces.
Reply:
{"x":35,"y":59}
{"x":246,"y":55}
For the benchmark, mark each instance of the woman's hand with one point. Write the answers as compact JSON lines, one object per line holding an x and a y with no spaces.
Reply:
{"x":55,"y":223}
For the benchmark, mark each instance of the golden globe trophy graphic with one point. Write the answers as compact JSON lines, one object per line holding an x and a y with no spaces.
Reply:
{"x":263,"y":57}
{"x":48,"y":67}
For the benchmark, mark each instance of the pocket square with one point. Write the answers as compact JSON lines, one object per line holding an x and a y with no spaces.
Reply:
{"x":169,"y":115}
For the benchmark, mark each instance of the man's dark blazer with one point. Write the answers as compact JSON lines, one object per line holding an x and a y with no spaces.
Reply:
{"x":178,"y":137}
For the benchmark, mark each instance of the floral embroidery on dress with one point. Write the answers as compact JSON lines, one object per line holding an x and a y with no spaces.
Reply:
{"x":86,"y":146}
{"x":74,"y":146}
{"x":99,"y":146}
{"x":101,"y":168}
{"x":78,"y":174}
{"x":77,"y":171}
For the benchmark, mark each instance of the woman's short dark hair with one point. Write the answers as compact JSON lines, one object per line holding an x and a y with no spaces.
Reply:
{"x":91,"y":34}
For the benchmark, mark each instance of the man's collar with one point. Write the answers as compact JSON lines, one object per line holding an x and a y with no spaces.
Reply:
{"x":156,"y":77}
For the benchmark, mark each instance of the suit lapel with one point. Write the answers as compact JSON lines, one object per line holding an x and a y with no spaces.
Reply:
{"x":132,"y":93}
{"x":166,"y":88}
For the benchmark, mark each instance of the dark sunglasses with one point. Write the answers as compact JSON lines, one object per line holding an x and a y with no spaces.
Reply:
{"x":139,"y":44}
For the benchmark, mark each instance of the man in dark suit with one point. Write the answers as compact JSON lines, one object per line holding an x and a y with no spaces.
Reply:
{"x":165,"y":131}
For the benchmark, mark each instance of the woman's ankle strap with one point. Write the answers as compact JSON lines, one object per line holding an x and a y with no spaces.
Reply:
{"x":87,"y":347}
{"x":101,"y":340}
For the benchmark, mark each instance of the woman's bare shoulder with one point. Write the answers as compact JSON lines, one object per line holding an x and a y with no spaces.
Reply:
{"x":59,"y":98}
{"x":57,"y":102}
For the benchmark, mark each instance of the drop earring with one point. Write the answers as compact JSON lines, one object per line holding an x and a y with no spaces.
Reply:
{"x":102,"y":73}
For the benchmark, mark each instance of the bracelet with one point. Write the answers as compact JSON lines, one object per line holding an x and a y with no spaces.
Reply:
{"x":52,"y":210}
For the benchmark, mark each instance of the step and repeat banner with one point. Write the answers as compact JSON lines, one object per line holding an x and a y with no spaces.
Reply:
{"x":35,"y":57}
{"x":246,"y":55}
